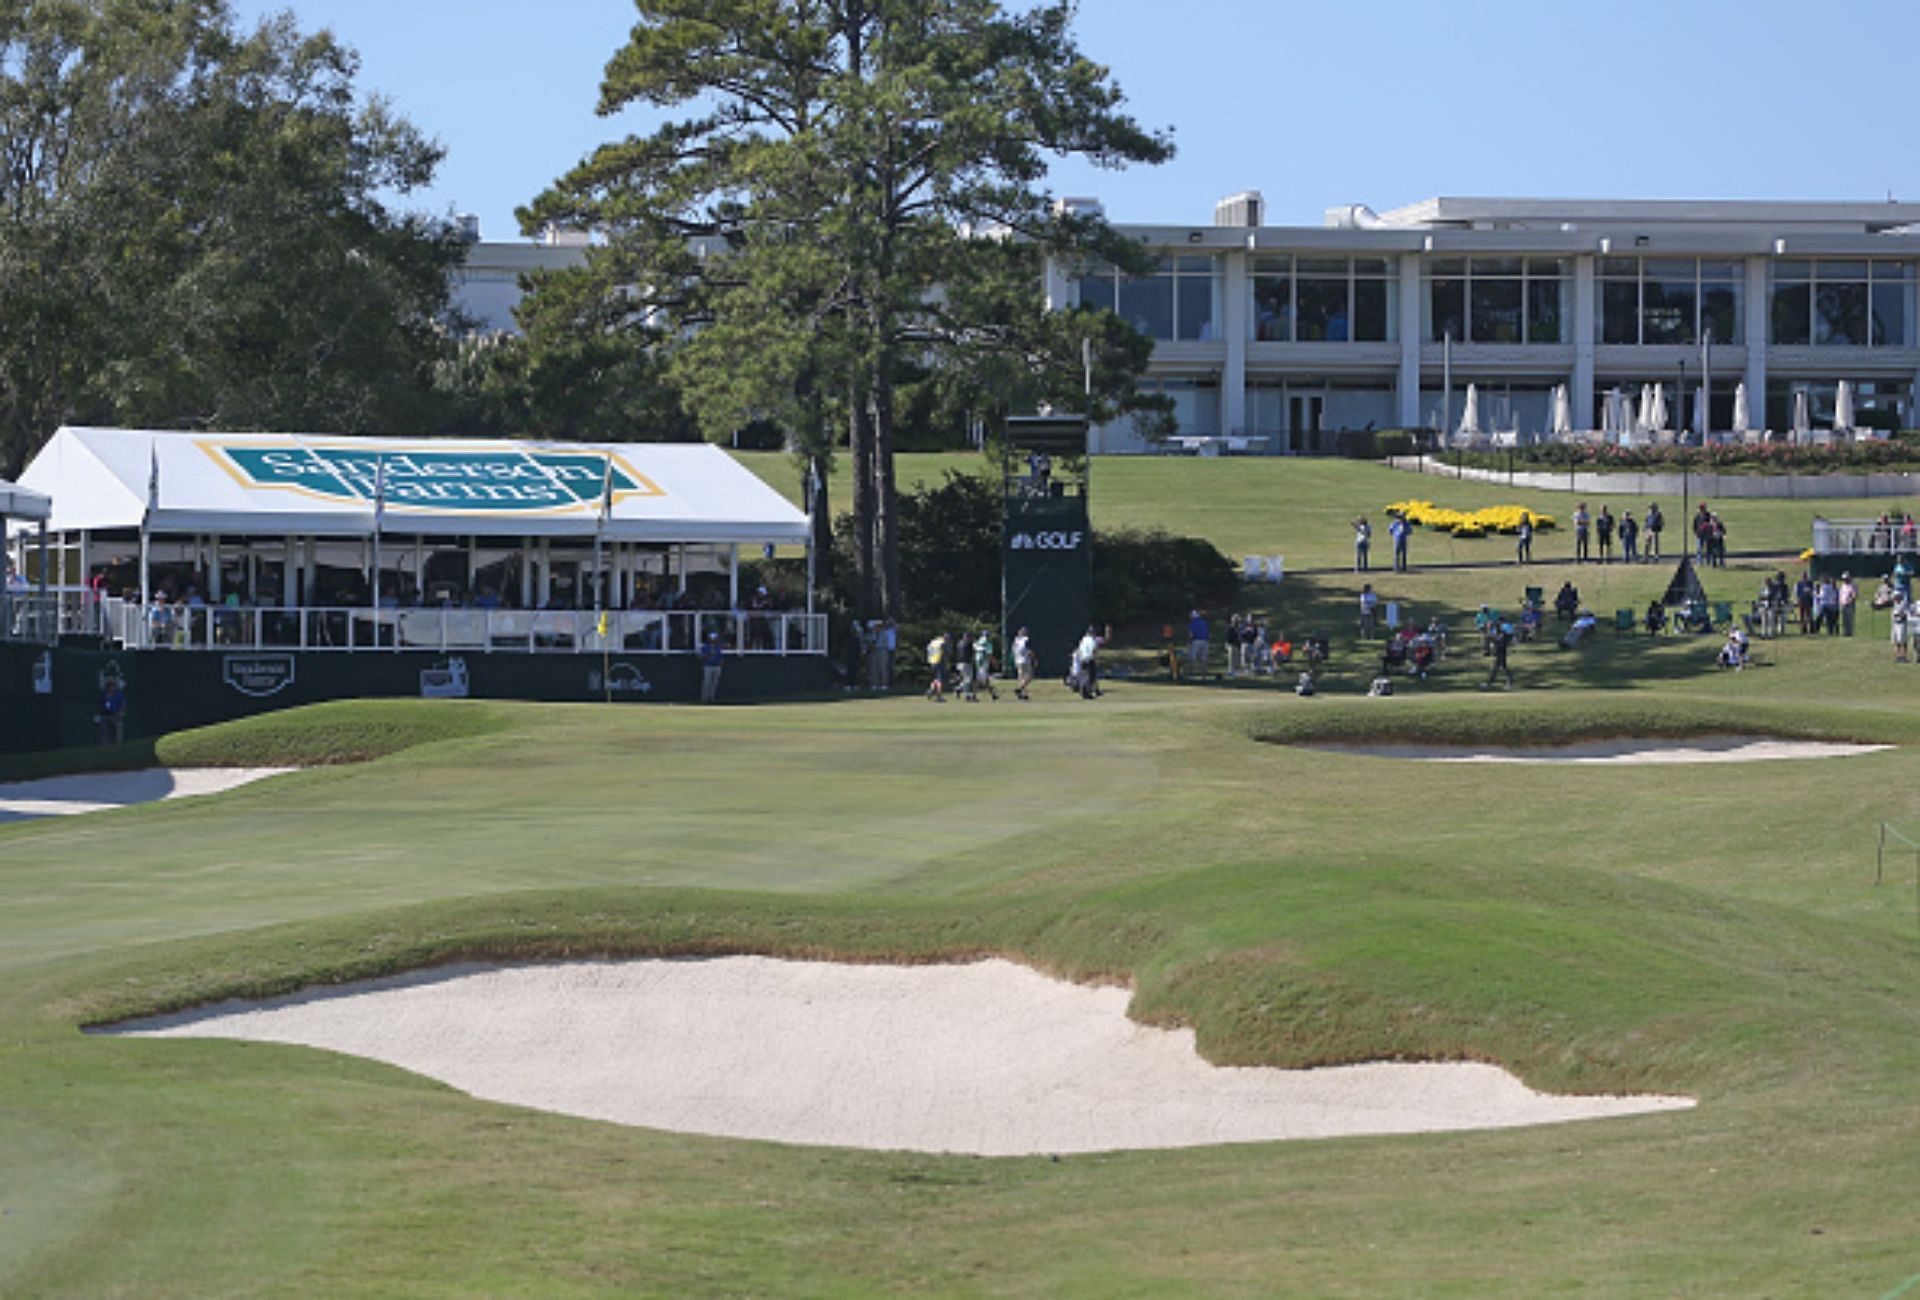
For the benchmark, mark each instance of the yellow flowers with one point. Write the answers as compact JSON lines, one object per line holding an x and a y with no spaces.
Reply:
{"x":1477,"y":523}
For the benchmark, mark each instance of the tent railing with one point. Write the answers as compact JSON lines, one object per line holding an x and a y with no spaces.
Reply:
{"x":442,"y":630}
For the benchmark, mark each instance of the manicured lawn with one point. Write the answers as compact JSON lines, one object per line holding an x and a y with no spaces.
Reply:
{"x":1303,"y":508}
{"x":1712,"y":930}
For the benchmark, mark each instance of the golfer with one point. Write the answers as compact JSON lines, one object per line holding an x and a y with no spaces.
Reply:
{"x":1022,"y":663}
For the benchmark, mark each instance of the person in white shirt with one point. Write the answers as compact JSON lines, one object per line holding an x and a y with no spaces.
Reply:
{"x":1086,"y":663}
{"x":1022,"y":663}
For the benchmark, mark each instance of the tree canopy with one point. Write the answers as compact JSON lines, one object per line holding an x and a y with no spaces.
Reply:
{"x":851,"y":194}
{"x":193,"y":233}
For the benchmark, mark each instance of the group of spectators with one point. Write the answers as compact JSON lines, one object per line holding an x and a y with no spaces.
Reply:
{"x":1593,"y":535}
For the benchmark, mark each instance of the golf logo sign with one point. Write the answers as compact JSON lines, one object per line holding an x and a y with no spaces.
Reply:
{"x":258,"y":676}
{"x":436,"y":480}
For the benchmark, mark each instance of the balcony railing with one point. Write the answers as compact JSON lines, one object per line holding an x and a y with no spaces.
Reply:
{"x":1862,"y":537}
{"x":127,"y":623}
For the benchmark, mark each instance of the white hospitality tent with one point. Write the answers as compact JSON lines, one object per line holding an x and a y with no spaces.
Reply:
{"x":269,"y":511}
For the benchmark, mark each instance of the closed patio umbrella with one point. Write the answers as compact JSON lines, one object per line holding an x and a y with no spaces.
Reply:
{"x":1742,"y":419}
{"x":1562,"y":412}
{"x":1843,"y":408}
{"x":1802,"y":415}
{"x":1470,"y":414}
{"x":1657,"y":408}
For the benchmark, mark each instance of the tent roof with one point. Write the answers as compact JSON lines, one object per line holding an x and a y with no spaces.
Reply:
{"x":279,"y":483}
{"x":17,"y":502}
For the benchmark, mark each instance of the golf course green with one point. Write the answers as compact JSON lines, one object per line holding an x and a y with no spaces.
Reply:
{"x":1714,"y":931}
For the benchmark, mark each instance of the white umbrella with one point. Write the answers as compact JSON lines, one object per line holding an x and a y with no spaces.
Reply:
{"x":1470,"y":414}
{"x":1657,"y":412}
{"x":1802,"y":415}
{"x":1742,"y":419}
{"x":1843,"y":408}
{"x":1609,"y":411}
{"x":1562,"y":411}
{"x":1643,"y":416}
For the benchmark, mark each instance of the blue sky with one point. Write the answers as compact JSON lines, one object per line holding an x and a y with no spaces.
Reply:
{"x":1382,"y":103}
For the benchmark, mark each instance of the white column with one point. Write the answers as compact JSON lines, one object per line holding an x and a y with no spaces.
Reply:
{"x":680,"y":561}
{"x":1758,"y":324}
{"x":473,"y":562}
{"x":290,"y":575}
{"x":1234,"y":323}
{"x":1586,"y":317}
{"x":1408,"y":387}
{"x":214,"y":593}
{"x":546,"y":571}
{"x":733,"y":576}
{"x":309,"y":581}
{"x":526,"y":572}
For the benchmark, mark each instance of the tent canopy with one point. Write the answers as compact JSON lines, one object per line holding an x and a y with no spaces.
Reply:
{"x":17,"y":502}
{"x":239,"y":484}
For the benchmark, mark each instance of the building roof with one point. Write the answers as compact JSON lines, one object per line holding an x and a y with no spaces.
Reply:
{"x":1783,"y":216}
{"x":324,"y":485}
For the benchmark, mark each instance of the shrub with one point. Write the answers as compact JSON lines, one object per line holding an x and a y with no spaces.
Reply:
{"x":1141,"y":575}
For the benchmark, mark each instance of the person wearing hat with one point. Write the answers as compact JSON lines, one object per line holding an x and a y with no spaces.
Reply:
{"x":1849,"y":596}
{"x":1198,"y":637}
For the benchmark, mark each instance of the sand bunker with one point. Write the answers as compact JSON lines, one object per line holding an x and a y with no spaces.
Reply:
{"x":987,"y":1059}
{"x":1624,"y":751}
{"x":64,"y":796}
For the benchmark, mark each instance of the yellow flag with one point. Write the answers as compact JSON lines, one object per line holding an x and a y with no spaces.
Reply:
{"x":603,"y":622}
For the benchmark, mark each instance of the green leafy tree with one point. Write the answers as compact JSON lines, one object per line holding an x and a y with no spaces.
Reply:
{"x":841,"y":169}
{"x":191,"y":233}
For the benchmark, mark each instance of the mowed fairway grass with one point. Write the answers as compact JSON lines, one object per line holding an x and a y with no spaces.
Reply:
{"x":1714,"y":931}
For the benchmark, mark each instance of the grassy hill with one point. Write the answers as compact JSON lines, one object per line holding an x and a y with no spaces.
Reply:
{"x":1714,"y":931}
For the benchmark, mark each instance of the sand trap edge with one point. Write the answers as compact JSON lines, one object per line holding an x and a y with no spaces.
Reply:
{"x":1625,"y":751}
{"x":988,"y":1058}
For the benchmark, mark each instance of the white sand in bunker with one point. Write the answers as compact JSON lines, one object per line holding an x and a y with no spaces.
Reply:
{"x":989,"y":1058}
{"x":1621,"y":751}
{"x":65,"y":796}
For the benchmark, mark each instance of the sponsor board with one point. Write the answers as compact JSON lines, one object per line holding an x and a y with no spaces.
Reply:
{"x":1062,"y":540}
{"x":622,"y":678}
{"x":258,"y":676}
{"x":436,"y":480}
{"x":446,"y":680}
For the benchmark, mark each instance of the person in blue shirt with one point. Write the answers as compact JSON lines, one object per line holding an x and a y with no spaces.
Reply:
{"x":711,"y":657}
{"x":1198,"y":636}
{"x":111,"y":712}
{"x":1400,"y":530}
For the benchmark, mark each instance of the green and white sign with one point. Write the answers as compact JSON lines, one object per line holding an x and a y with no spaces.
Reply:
{"x":507,"y":480}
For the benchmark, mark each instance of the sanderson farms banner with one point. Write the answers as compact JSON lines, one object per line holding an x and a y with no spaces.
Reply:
{"x":277,"y":484}
{"x":466,"y":481}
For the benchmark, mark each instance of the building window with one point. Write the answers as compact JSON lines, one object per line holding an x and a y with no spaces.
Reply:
{"x":1196,"y":403}
{"x":1499,"y":300}
{"x":1324,"y":300}
{"x":1670,"y":300}
{"x":1178,"y":301}
{"x":1843,"y":303}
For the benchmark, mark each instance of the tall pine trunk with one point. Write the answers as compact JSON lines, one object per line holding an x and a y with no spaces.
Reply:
{"x":886,"y":527}
{"x":860,"y":439}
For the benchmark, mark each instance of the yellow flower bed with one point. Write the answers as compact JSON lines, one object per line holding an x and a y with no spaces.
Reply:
{"x":1462,"y":523}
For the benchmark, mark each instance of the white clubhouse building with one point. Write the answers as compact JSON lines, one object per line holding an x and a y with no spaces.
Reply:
{"x":1275,"y":338}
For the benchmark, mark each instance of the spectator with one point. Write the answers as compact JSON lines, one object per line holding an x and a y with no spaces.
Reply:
{"x":1902,"y":630}
{"x":1523,"y":545}
{"x":1803,"y":601}
{"x":1702,"y":533}
{"x":1849,"y":596}
{"x":1369,"y":607}
{"x":1655,"y":522}
{"x":1582,"y":530}
{"x":1629,"y":538}
{"x":1198,"y":638}
{"x":712,"y":655}
{"x":1362,"y":543}
{"x":1400,"y":530}
{"x":1603,"y":531}
{"x":1566,"y":603}
{"x":1656,"y":621}
{"x":111,"y":712}
{"x":1499,"y":638}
